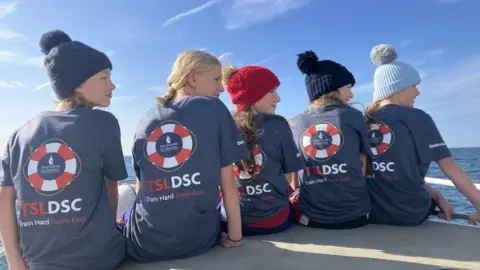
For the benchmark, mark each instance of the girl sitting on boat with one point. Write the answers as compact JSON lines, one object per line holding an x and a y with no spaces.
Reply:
{"x":183,"y":151}
{"x":404,"y":141}
{"x":331,"y":136}
{"x":63,"y":166}
{"x":262,"y":179}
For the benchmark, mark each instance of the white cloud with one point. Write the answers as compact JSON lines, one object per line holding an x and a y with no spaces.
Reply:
{"x":35,"y":61}
{"x":41,"y":86}
{"x":406,"y":42}
{"x":270,"y":58}
{"x":244,"y":13}
{"x":190,"y":12}
{"x":225,"y":58}
{"x":7,"y":56}
{"x":11,"y":84}
{"x":457,"y":85}
{"x":6,"y":34}
{"x":7,"y":8}
{"x":435,"y":52}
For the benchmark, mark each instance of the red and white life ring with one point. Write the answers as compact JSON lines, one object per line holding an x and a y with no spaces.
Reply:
{"x":386,"y":138}
{"x":169,"y":162}
{"x":258,"y":157}
{"x":332,"y":149}
{"x":49,"y":185}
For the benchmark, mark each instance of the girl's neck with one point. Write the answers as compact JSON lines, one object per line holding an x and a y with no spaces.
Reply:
{"x":387,"y":102}
{"x":182,"y":93}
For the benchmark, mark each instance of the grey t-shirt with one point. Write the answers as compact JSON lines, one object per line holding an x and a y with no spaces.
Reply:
{"x":57,"y":162}
{"x":404,"y":142}
{"x":333,"y":188}
{"x":178,"y":154}
{"x":266,"y":193}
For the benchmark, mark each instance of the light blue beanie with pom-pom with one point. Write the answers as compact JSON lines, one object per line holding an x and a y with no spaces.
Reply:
{"x":390,"y":76}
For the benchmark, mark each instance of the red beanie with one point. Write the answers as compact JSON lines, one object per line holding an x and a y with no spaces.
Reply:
{"x":249,"y":84}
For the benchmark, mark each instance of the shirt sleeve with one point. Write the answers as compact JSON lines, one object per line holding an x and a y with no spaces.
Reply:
{"x":232,"y":146}
{"x":428,"y":141}
{"x":113,"y":160}
{"x":292,"y":159}
{"x":5,"y":176}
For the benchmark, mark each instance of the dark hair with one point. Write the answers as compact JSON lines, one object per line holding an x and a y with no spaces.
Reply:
{"x":251,"y":132}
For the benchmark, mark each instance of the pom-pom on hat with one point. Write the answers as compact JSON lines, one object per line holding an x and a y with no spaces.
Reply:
{"x":70,"y":63}
{"x":391,"y":76}
{"x":324,"y":76}
{"x":248,"y":84}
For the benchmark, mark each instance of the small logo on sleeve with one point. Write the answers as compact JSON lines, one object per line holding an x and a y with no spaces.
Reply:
{"x":436,"y":145}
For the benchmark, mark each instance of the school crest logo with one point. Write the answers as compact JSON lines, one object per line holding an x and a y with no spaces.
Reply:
{"x":170,"y":145}
{"x":381,"y":138}
{"x":52,"y":167}
{"x":260,"y":162}
{"x":321,"y":141}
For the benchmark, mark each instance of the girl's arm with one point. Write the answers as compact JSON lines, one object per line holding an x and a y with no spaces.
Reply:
{"x":231,"y":202}
{"x":363,"y":158}
{"x":137,"y":187}
{"x":112,"y":192}
{"x":292,"y":179}
{"x":8,"y":228}
{"x":461,"y":180}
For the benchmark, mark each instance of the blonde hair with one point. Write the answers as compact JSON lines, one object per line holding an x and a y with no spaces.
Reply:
{"x":327,"y":99}
{"x":189,"y":61}
{"x":227,"y":73}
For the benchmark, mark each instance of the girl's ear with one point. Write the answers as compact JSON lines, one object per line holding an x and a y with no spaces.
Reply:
{"x":191,"y":79}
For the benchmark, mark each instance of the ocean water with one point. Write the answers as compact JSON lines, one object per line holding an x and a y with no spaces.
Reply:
{"x":467,"y":158}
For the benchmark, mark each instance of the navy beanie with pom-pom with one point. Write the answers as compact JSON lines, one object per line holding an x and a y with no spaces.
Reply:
{"x":70,"y":63}
{"x":324,"y":76}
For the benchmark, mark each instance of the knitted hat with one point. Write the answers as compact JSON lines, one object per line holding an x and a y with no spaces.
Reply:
{"x":324,"y":76}
{"x":70,"y":63}
{"x":390,"y":76}
{"x":249,"y":84}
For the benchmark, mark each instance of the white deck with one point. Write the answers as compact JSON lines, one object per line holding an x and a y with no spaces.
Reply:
{"x":429,"y":246}
{"x":433,"y":245}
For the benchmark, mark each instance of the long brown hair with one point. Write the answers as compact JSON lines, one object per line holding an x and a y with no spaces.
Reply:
{"x":248,"y":125}
{"x":371,"y":110}
{"x":250,"y":130}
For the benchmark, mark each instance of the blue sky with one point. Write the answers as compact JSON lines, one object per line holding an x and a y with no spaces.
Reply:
{"x":439,"y":37}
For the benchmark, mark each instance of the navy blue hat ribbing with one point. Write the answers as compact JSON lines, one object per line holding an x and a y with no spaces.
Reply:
{"x":70,"y":63}
{"x":324,"y":76}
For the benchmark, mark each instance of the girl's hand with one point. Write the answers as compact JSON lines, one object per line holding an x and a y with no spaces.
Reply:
{"x":447,"y":209}
{"x":474,"y":219}
{"x":227,"y":243}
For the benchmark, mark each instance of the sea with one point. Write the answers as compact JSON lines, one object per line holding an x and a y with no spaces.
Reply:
{"x":467,"y":158}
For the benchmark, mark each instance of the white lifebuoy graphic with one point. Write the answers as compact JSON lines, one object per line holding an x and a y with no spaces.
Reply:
{"x":157,"y":150}
{"x":259,"y":165}
{"x":381,"y":144}
{"x":34,"y":173}
{"x":321,"y":141}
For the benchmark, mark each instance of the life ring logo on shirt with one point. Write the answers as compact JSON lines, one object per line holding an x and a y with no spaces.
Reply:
{"x":260,"y":162}
{"x":52,"y":167}
{"x":321,"y":141}
{"x":170,"y":145}
{"x":381,"y":138}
